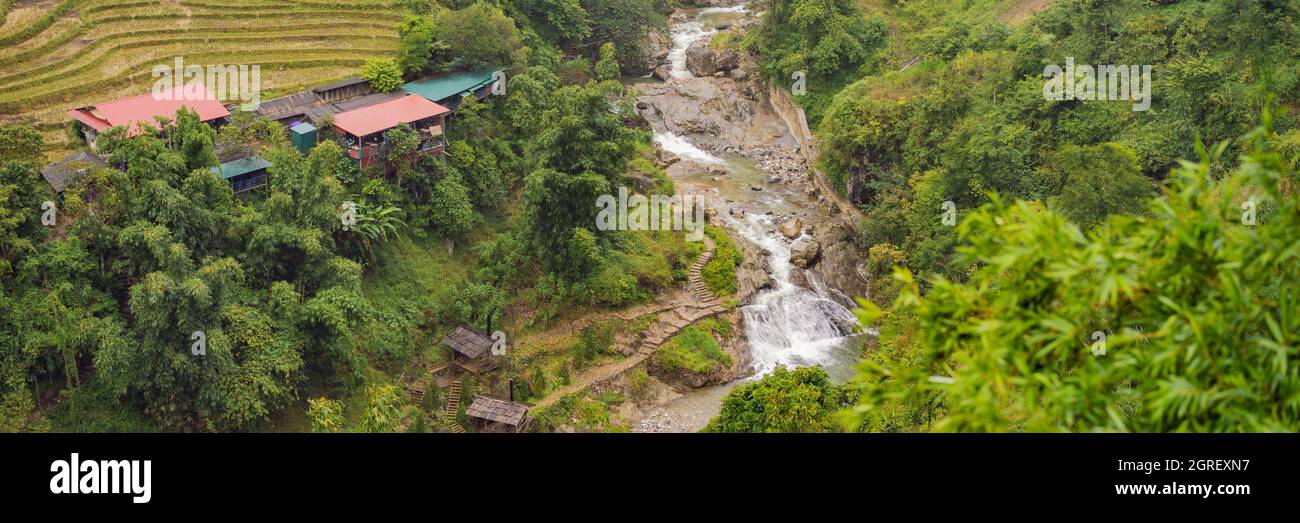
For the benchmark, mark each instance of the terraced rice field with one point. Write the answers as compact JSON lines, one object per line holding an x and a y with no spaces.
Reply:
{"x":61,"y":54}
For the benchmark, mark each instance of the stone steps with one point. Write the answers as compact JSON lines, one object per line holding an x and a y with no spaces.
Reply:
{"x":700,"y":303}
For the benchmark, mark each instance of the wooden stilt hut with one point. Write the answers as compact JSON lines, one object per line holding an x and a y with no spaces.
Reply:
{"x":498,"y":415}
{"x":471,"y":350}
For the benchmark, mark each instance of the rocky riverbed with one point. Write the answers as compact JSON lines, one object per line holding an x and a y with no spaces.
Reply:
{"x":718,"y":137}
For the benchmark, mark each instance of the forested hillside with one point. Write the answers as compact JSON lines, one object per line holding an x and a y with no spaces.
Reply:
{"x":1101,"y":266}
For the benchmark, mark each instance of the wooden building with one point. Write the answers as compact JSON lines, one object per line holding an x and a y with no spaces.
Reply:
{"x":497,"y":415}
{"x":343,"y":90}
{"x":65,"y":172}
{"x":137,"y":110}
{"x":318,"y":105}
{"x":362,"y":131}
{"x":244,"y":174}
{"x":471,"y":350}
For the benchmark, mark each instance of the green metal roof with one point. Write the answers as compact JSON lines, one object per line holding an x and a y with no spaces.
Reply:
{"x":303,"y":128}
{"x":235,"y":168}
{"x":452,"y":84}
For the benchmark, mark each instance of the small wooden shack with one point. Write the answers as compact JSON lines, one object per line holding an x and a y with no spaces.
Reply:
{"x":498,"y":415}
{"x":64,"y":172}
{"x":244,"y":174}
{"x":342,"y":90}
{"x":471,"y":350}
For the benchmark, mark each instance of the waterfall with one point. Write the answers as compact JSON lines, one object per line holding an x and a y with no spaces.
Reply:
{"x":684,"y":149}
{"x":687,"y":33}
{"x":683,"y":36}
{"x":789,"y":325}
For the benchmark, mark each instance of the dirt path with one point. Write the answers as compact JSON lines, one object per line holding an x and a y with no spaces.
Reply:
{"x":1021,"y":10}
{"x":675,"y":313}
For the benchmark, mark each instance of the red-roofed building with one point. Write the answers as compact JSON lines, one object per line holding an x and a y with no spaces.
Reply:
{"x":130,"y":112}
{"x":362,"y":130}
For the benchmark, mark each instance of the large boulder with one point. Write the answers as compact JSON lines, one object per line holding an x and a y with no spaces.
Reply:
{"x":792,"y":229}
{"x":654,"y":52}
{"x":804,"y":253}
{"x":662,"y":73}
{"x":838,"y":264}
{"x":699,"y":60}
{"x":726,"y":60}
{"x":664,"y":157}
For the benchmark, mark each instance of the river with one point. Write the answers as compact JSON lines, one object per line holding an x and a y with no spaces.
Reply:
{"x":788,"y":324}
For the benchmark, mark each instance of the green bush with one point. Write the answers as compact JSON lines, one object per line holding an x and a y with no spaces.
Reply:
{"x":694,"y":349}
{"x":799,"y":400}
{"x":384,"y":75}
{"x":1178,"y":321}
{"x":720,"y":273}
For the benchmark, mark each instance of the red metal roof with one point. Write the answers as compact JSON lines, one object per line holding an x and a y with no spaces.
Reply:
{"x":386,"y":115}
{"x":136,"y":109}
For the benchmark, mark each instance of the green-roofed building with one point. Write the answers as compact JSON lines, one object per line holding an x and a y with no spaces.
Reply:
{"x":303,"y":137}
{"x":244,"y":174}
{"x":449,"y":89}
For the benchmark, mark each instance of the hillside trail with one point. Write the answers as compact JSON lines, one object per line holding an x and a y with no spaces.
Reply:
{"x":674,"y":312}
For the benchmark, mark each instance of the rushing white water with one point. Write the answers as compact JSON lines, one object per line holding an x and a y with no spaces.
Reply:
{"x":683,"y":36}
{"x":789,"y":325}
{"x":684,"y":149}
{"x":786,"y":325}
{"x":688,"y":33}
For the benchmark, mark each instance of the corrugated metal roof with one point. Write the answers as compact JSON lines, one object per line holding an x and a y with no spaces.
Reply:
{"x":352,"y":104}
{"x":500,"y":411}
{"x":339,"y":84}
{"x":132,"y":111}
{"x":451,"y":84}
{"x":235,"y":168}
{"x":386,"y":115}
{"x":286,"y":106}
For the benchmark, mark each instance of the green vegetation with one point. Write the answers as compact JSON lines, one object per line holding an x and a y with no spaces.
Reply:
{"x":1180,"y":321}
{"x":384,"y":75}
{"x":720,"y":273}
{"x":799,"y":400}
{"x":1080,"y":228}
{"x":970,"y":116}
{"x":695,"y":348}
{"x":827,"y":43}
{"x":582,"y":413}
